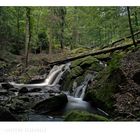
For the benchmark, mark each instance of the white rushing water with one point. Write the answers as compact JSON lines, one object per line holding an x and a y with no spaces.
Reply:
{"x":75,"y":99}
{"x":79,"y":91}
{"x":52,"y":79}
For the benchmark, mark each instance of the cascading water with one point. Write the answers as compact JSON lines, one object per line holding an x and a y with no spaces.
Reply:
{"x":75,"y":99}
{"x":79,"y":91}
{"x":52,"y":79}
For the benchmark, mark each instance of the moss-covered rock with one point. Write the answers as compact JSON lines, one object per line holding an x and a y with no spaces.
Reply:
{"x":106,"y":86}
{"x":88,"y":61}
{"x":83,"y":116}
{"x":76,"y":63}
{"x":96,"y":66}
{"x":77,"y":71}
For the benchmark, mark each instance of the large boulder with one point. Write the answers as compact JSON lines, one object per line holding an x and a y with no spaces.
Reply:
{"x":83,"y":116}
{"x":51,"y":104}
{"x":75,"y":72}
{"x":103,"y":90}
{"x":116,"y":89}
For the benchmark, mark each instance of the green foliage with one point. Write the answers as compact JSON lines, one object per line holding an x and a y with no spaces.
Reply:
{"x":115,"y":62}
{"x":73,"y":27}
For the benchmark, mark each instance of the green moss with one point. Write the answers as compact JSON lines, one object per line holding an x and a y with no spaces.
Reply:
{"x":67,"y":83}
{"x":96,"y":67}
{"x":103,"y":56}
{"x":76,"y":63}
{"x":80,"y":79}
{"x":84,"y":62}
{"x":115,"y":62}
{"x":75,"y":72}
{"x":87,"y":61}
{"x":105,"y":87}
{"x":83,"y":116}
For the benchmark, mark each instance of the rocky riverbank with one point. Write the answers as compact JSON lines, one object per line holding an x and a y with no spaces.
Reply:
{"x":113,"y":87}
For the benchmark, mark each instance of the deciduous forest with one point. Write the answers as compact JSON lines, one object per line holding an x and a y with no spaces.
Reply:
{"x":70,"y":63}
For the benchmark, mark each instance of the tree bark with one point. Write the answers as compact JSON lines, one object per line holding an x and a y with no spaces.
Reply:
{"x":130,"y":25}
{"x":62,"y":25}
{"x":18,"y":27}
{"x":27,"y":35}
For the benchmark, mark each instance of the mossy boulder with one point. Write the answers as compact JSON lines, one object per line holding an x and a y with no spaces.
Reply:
{"x":83,"y":116}
{"x":96,"y":66}
{"x":105,"y":87}
{"x":87,"y":61}
{"x":76,"y":63}
{"x":77,"y":71}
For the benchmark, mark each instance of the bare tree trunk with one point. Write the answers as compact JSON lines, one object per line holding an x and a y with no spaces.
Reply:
{"x":27,"y":35}
{"x":62,"y":36}
{"x":130,"y":25}
{"x":18,"y":27}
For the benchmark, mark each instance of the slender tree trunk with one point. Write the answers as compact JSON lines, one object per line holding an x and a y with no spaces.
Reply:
{"x":62,"y":26}
{"x":62,"y":35}
{"x":18,"y":28}
{"x":75,"y":36}
{"x":27,"y":35}
{"x":130,"y":25}
{"x":136,"y":21}
{"x":50,"y":43}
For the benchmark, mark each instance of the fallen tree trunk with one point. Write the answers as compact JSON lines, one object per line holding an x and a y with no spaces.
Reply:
{"x":122,"y":39}
{"x":103,"y":51}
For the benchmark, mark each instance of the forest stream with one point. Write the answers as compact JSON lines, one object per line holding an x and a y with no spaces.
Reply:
{"x":52,"y":87}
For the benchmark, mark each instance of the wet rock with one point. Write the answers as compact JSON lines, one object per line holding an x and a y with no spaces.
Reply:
{"x":83,"y":116}
{"x":6,"y":115}
{"x":51,"y":104}
{"x":35,"y":90}
{"x":20,"y":104}
{"x":3,"y":92}
{"x":23,"y":90}
{"x":13,"y":89}
{"x":2,"y":79}
{"x":7,"y":86}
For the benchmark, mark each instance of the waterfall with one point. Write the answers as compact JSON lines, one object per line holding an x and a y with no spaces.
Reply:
{"x":75,"y":98}
{"x":52,"y":79}
{"x":79,"y":92}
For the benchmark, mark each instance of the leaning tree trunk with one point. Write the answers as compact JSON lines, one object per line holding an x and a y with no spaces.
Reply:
{"x":27,"y":36}
{"x":130,"y":25}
